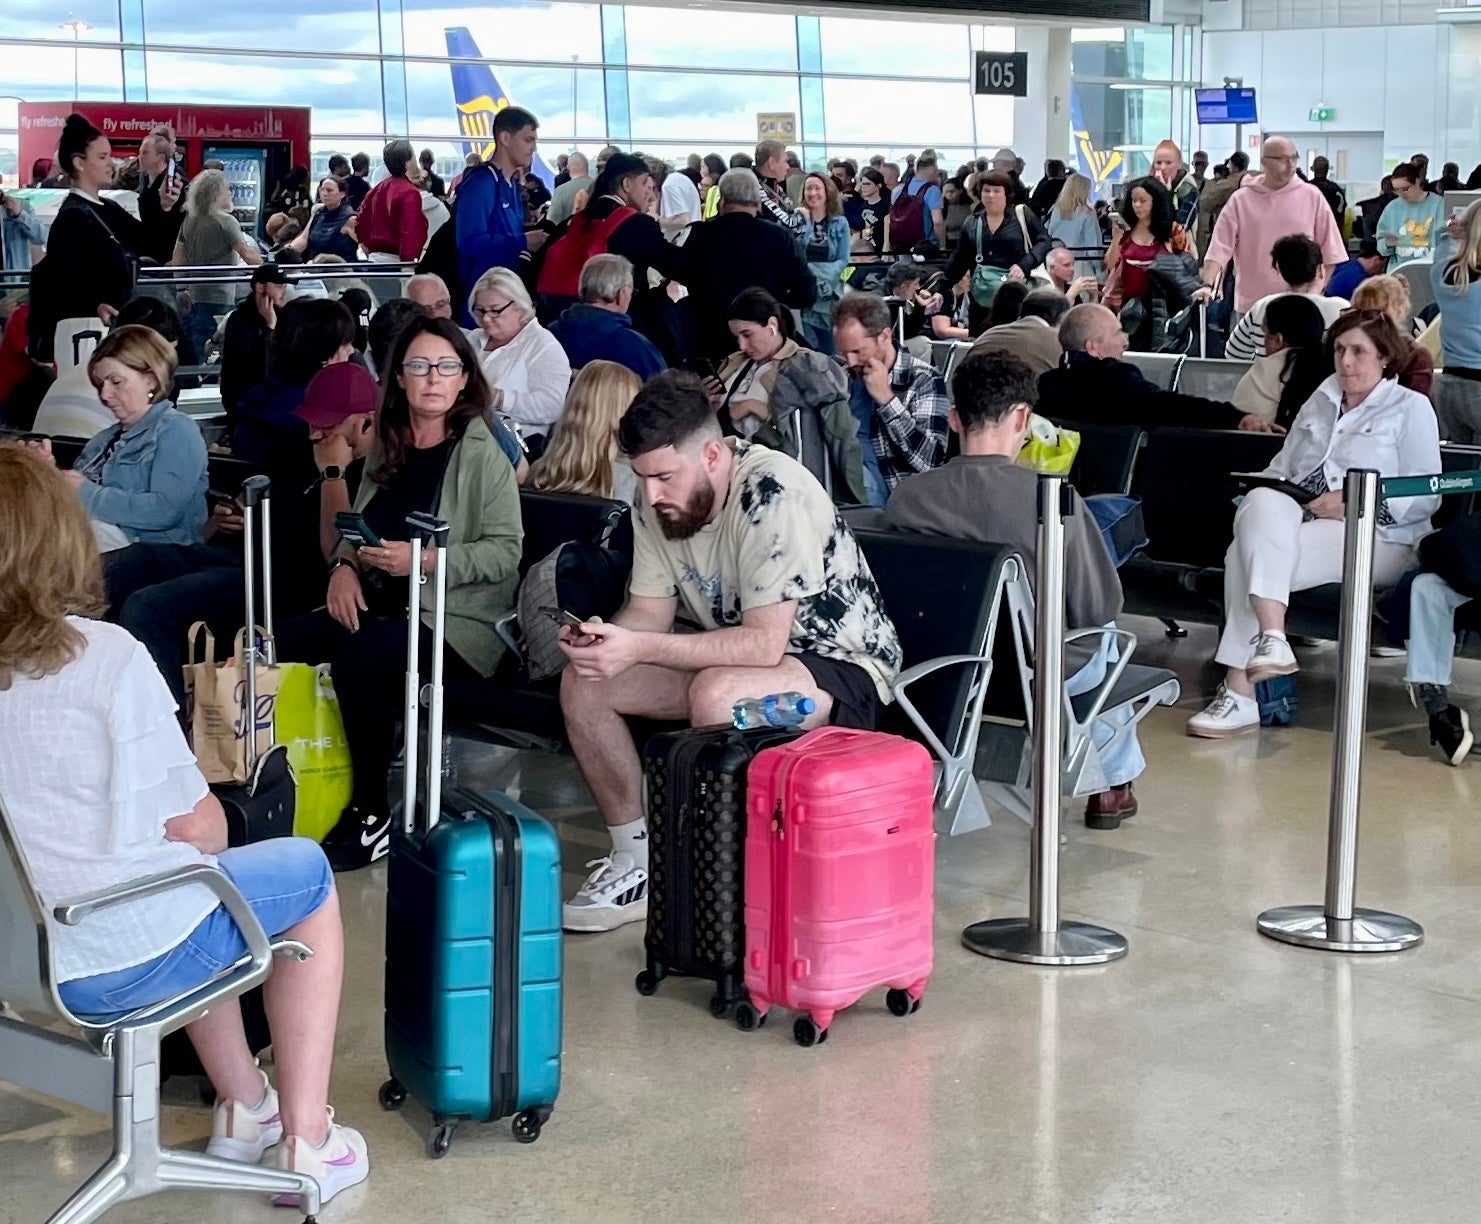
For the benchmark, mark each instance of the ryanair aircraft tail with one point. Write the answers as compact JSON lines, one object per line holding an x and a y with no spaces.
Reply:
{"x":1095,"y":165}
{"x":478,"y":97}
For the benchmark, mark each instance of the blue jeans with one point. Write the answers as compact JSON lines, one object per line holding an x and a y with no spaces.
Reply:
{"x":1432,"y":605}
{"x":1123,"y":761}
{"x":284,"y":880}
{"x":818,"y":333}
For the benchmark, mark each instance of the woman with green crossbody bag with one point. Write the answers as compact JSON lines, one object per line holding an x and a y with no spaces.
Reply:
{"x":996,"y":245}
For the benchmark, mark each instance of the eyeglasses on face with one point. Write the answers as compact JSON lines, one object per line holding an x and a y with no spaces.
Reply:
{"x":420,"y":367}
{"x":490,"y":312}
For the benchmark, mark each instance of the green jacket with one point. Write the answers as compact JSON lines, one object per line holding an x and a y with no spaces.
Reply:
{"x":480,"y":503}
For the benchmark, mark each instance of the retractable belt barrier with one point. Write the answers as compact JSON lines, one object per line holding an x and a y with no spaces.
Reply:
{"x":1041,"y":938}
{"x":1339,"y":925}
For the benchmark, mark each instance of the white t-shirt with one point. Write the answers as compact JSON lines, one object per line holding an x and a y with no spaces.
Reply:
{"x":92,"y":764}
{"x":679,"y":197}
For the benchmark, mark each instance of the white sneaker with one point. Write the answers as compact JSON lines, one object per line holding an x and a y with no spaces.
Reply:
{"x":1227,"y":714}
{"x":615,"y":894}
{"x":340,"y":1162}
{"x":242,"y":1133}
{"x":1272,"y":656}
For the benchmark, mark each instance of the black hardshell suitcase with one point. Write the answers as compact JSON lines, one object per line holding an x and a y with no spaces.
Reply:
{"x":695,"y":787}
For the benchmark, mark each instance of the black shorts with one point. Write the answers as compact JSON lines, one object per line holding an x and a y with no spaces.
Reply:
{"x":856,"y":701}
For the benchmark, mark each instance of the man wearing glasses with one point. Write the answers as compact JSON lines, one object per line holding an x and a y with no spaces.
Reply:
{"x":430,"y":292}
{"x":1271,"y":206}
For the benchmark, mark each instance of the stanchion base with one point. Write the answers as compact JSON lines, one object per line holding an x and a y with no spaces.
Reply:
{"x":1366,"y":931}
{"x":1075,"y":943}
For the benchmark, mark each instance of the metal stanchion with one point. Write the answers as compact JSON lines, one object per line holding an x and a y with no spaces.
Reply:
{"x":1041,"y":938}
{"x":1338,"y":925}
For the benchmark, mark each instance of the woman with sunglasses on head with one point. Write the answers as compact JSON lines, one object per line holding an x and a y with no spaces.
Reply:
{"x":527,"y":371}
{"x":434,"y":454}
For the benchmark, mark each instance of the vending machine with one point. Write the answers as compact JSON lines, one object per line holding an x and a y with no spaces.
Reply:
{"x":246,"y":175}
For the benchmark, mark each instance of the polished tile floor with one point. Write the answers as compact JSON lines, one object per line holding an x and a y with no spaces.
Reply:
{"x":1211,"y":1076}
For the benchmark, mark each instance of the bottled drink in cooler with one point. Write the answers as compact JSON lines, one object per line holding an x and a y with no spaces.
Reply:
{"x":777,"y":710}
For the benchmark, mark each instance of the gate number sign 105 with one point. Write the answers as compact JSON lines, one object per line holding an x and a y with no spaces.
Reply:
{"x":1004,"y":73}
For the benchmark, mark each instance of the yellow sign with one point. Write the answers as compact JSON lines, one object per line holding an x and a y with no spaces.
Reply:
{"x":781,"y":127}
{"x":476,"y":119}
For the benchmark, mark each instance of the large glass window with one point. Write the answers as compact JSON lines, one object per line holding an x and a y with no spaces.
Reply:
{"x":39,"y":74}
{"x":44,"y":18}
{"x":345,"y":94}
{"x":895,"y":49}
{"x":893,"y":111}
{"x":712,"y":38}
{"x":705,"y":108}
{"x":267,"y":25}
{"x":505,"y":29}
{"x":1140,"y":54}
{"x":569,"y":103}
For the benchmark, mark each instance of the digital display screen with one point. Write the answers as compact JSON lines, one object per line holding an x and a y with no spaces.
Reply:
{"x":1225,"y":106}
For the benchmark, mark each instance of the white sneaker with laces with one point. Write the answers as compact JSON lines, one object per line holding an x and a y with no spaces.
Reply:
{"x":1272,"y":656}
{"x":340,"y":1162}
{"x":243,"y":1133}
{"x":615,"y":894}
{"x":1227,"y":714}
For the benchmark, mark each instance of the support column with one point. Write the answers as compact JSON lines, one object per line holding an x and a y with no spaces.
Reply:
{"x":1041,"y":121}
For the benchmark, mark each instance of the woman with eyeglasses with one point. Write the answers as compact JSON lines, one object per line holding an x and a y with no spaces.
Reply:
{"x":433,"y":453}
{"x":527,"y":371}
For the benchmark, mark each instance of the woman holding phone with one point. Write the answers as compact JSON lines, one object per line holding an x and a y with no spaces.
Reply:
{"x":433,"y":453}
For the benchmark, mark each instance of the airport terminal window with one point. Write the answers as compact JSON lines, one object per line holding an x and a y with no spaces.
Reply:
{"x":547,"y":92}
{"x":709,"y":38}
{"x":1140,"y":54}
{"x":1132,"y":120}
{"x":705,"y":108}
{"x":550,"y":33}
{"x":345,"y":94}
{"x":43,"y":18}
{"x":892,"y":50}
{"x":890,"y":109}
{"x":267,"y":25}
{"x":42,"y":73}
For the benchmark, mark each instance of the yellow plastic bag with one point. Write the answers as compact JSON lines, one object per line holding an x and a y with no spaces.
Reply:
{"x":307,"y":721}
{"x":1048,"y":448}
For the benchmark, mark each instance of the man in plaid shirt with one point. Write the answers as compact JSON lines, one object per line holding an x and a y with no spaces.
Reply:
{"x":898,"y":400}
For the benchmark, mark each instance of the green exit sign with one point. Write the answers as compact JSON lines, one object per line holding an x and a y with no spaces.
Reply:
{"x":1322,"y":114}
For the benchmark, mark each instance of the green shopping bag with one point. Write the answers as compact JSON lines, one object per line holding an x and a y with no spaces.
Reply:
{"x":308,"y":722}
{"x":1048,"y":448}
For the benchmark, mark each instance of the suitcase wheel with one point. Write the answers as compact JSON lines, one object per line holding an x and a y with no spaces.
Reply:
{"x":901,"y":1003}
{"x":747,"y":1018}
{"x":806,"y":1033}
{"x":647,"y":980}
{"x":392,"y":1095}
{"x":527,"y":1124}
{"x":440,"y":1138}
{"x":719,"y":1006}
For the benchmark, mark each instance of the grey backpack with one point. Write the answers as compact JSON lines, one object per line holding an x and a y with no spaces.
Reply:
{"x":578,"y":577}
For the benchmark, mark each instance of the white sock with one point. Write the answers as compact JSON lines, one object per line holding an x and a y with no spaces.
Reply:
{"x":632,"y":839}
{"x":1279,"y":634}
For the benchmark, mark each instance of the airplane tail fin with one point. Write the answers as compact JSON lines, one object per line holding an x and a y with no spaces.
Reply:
{"x":478,"y":97}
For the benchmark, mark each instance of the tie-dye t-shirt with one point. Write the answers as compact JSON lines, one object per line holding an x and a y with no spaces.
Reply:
{"x":777,"y":538}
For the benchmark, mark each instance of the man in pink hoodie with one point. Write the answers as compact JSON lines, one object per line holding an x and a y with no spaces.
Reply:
{"x":1269,"y":207}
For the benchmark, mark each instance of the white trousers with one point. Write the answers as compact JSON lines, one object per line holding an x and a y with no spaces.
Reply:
{"x":1275,"y":553}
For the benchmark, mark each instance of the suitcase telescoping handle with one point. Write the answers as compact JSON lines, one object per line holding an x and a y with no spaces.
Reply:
{"x":425,"y":530}
{"x":255,"y":496}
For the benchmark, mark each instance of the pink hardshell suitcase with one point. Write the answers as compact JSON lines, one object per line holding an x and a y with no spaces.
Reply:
{"x":840,"y":866}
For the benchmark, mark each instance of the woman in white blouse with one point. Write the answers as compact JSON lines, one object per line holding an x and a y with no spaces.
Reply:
{"x":1358,"y":418}
{"x":524,"y":364}
{"x":102,"y":789}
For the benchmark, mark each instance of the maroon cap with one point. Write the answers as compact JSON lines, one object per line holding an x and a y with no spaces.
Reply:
{"x":336,"y":393}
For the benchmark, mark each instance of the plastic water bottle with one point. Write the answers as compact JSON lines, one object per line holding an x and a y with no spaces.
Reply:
{"x":778,"y":710}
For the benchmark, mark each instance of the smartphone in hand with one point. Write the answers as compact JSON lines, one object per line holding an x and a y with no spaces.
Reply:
{"x":352,"y":527}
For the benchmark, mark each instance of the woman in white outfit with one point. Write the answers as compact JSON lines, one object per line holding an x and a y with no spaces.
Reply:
{"x":525,"y":365}
{"x":1358,"y":418}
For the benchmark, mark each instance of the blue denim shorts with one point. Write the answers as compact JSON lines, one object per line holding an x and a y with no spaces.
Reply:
{"x":284,"y":880}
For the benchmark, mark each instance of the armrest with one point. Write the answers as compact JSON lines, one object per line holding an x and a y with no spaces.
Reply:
{"x":1113,"y":673}
{"x":910,"y":675}
{"x":73,"y":912}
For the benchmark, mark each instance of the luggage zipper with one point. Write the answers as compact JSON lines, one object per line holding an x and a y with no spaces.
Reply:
{"x":781,"y":922}
{"x":683,"y":908}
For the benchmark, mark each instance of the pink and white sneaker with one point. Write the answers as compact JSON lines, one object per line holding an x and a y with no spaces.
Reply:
{"x":243,"y":1133}
{"x":340,"y":1162}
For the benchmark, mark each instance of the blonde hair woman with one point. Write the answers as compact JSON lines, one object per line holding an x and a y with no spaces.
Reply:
{"x":1389,"y":295}
{"x":211,"y":238}
{"x":82,"y":700}
{"x":582,"y":454}
{"x":1072,"y":222}
{"x":1457,"y":266}
{"x":527,"y":370}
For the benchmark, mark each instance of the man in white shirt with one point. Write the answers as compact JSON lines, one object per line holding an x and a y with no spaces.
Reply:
{"x":678,"y":205}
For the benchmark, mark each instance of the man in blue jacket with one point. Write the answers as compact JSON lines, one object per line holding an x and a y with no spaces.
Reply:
{"x":490,"y":212}
{"x":598,"y":328}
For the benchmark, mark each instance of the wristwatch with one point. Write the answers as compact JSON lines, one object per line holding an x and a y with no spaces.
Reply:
{"x":332,"y":472}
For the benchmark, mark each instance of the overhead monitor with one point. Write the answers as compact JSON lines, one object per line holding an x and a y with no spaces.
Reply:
{"x":1225,"y":106}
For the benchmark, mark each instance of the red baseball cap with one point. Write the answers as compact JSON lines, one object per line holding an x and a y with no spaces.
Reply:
{"x":336,"y":393}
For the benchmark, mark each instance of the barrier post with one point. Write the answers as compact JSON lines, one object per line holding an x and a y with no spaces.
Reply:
{"x":1041,"y":938}
{"x":1338,"y":925}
